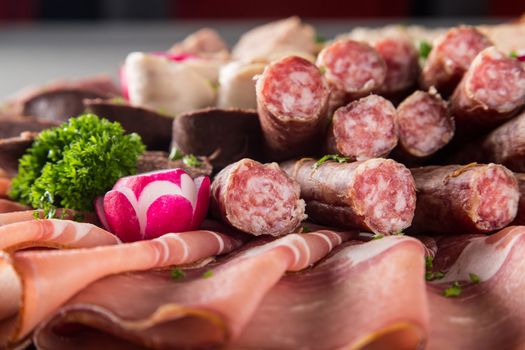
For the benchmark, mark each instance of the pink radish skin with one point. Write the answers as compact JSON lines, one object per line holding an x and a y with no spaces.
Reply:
{"x":149,"y":205}
{"x":179,"y":57}
{"x":99,"y":209}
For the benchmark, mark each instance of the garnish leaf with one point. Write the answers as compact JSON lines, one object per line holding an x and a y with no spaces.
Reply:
{"x":177,"y":274}
{"x":322,"y":69}
{"x":306,"y":229}
{"x":424,"y":49}
{"x":429,"y":262}
{"x":207,"y":274}
{"x":474,"y":278}
{"x":335,"y":157}
{"x":513,"y":54}
{"x":176,"y":154}
{"x":191,"y":160}
{"x":377,"y":236}
{"x":453,"y":291}
{"x":319,"y":39}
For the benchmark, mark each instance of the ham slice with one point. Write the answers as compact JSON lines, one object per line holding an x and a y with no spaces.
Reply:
{"x":38,"y":282}
{"x":486,"y":315}
{"x":7,"y":206}
{"x":7,"y":218}
{"x":369,"y":295}
{"x":198,"y":311}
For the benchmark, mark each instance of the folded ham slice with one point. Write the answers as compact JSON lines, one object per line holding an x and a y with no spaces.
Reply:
{"x":489,"y":314}
{"x":24,"y":214}
{"x":38,"y":282}
{"x":208,"y":307}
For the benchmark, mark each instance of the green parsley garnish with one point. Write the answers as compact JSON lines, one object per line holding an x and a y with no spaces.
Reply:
{"x":306,"y":229}
{"x":429,"y":261}
{"x":207,"y":274}
{"x":322,"y":69}
{"x":70,"y":165}
{"x":453,"y":291}
{"x":191,"y":160}
{"x":474,"y":278}
{"x":176,"y":154}
{"x":319,"y":39}
{"x":377,"y":236}
{"x":177,"y":274}
{"x":334,"y":157}
{"x":429,"y":274}
{"x":513,"y":54}
{"x":424,"y":49}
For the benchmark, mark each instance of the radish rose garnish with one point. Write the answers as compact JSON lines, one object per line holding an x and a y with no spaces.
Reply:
{"x":149,"y":205}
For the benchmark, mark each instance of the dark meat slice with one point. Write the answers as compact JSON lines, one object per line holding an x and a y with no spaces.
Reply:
{"x":292,"y":101}
{"x":227,"y":134}
{"x":376,"y":194}
{"x":153,"y":127}
{"x":474,"y":198}
{"x":256,"y":198}
{"x":12,"y":149}
{"x":158,"y":160}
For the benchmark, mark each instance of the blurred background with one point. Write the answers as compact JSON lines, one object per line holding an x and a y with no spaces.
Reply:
{"x":42,"y":40}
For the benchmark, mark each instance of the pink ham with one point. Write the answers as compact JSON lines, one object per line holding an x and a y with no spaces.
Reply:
{"x":7,"y":206}
{"x":53,"y":234}
{"x":41,"y":281}
{"x":194,"y":312}
{"x":486,"y":315}
{"x":29,"y":215}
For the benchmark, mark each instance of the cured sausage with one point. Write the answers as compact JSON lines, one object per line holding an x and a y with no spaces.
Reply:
{"x":451,"y":56}
{"x":489,"y":93}
{"x":425,"y":125}
{"x":352,"y":69}
{"x":504,"y":145}
{"x":292,"y":101}
{"x":376,"y":194}
{"x":257,"y":198}
{"x":363,"y":129}
{"x":474,"y":198}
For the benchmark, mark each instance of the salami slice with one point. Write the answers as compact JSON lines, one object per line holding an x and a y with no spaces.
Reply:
{"x":504,"y":145}
{"x":257,"y":198}
{"x":352,"y":69}
{"x":451,"y":56}
{"x":376,"y":194}
{"x":490,"y":92}
{"x":292,"y":101}
{"x":425,"y":124}
{"x":474,"y":198}
{"x":402,"y":62}
{"x":363,"y":129}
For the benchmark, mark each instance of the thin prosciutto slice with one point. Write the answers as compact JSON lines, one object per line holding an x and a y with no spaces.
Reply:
{"x":37,"y":282}
{"x":486,"y":315}
{"x":26,"y":214}
{"x":7,"y":206}
{"x":207,"y":308}
{"x":366,"y":295}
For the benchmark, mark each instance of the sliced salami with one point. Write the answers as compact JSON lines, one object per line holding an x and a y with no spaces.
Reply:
{"x":459,"y":199}
{"x":490,"y":92}
{"x":363,"y":129}
{"x":292,"y":101}
{"x":352,"y":69}
{"x":376,"y":194}
{"x":504,"y":145}
{"x":451,"y":56}
{"x":425,"y":124}
{"x":402,"y":62}
{"x":257,"y":198}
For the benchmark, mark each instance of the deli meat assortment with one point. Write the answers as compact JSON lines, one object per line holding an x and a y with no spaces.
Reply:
{"x":362,"y":192}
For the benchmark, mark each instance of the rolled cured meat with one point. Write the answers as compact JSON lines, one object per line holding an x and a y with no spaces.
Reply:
{"x":450,"y":57}
{"x":504,"y":145}
{"x":363,"y":129}
{"x":376,"y":194}
{"x":352,"y":69}
{"x":491,"y":91}
{"x":292,"y":101}
{"x":474,"y":198}
{"x":257,"y":198}
{"x":425,"y":125}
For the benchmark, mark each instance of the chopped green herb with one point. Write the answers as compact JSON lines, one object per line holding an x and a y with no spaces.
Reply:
{"x":70,"y":165}
{"x":400,"y":233}
{"x":191,"y":160}
{"x":207,"y":274}
{"x":513,"y":54}
{"x":424,"y":49}
{"x":431,"y":276}
{"x":378,"y":236}
{"x":474,"y":278}
{"x":214,"y":85}
{"x":322,"y":69}
{"x":306,"y":229}
{"x":176,"y":154}
{"x":453,"y":291}
{"x":177,"y":274}
{"x":429,"y":262}
{"x":319,"y":39}
{"x":78,"y":217}
{"x":118,"y":100}
{"x":334,"y":157}
{"x":36,"y":215}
